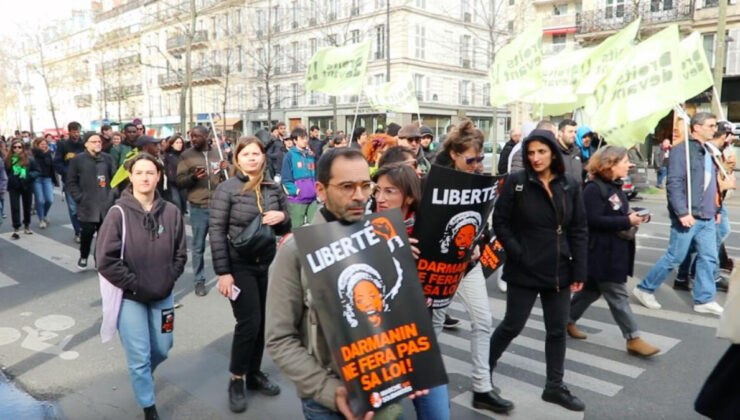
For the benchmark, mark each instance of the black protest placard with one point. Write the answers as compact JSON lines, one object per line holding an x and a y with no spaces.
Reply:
{"x":364,"y":287}
{"x":492,"y":257}
{"x":454,"y":210}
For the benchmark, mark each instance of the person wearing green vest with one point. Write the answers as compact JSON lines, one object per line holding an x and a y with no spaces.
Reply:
{"x":120,"y":152}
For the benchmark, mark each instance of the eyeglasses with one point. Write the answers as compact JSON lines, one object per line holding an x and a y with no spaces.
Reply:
{"x":472,"y":160}
{"x":349,"y":188}
{"x":411,"y":139}
{"x":389,"y":191}
{"x":17,"y":147}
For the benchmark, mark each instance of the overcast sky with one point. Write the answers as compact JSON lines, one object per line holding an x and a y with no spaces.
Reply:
{"x":30,"y":13}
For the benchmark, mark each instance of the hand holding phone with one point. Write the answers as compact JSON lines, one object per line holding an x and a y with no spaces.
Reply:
{"x":235,"y":292}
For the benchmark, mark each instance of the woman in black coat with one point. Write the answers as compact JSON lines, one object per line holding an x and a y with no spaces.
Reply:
{"x":540,"y":221}
{"x":22,"y":170}
{"x":175,"y":147}
{"x":611,"y":252}
{"x":235,"y":204}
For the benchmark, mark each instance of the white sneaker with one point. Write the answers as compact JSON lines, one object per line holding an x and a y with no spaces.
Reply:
{"x":709,"y":308}
{"x":501,"y":285}
{"x":646,"y":299}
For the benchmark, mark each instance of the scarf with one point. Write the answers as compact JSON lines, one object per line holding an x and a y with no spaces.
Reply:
{"x":18,"y":170}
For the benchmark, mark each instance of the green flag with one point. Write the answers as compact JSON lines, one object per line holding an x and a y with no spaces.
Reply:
{"x":695,"y":71}
{"x":560,"y":75}
{"x":398,"y":95}
{"x":605,"y":56}
{"x":631,"y":133}
{"x":338,"y":70}
{"x":646,"y":82}
{"x":517,"y":68}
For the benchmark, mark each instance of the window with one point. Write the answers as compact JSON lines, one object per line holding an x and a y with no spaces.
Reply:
{"x":420,"y":41}
{"x":260,"y":22}
{"x":465,"y":51}
{"x":294,"y":94}
{"x":355,"y":10}
{"x":239,"y":58}
{"x":332,"y":7}
{"x":276,"y":102}
{"x":294,"y":56}
{"x":214,"y":32}
{"x":708,"y":40}
{"x":658,"y":5}
{"x":238,"y":21}
{"x":560,"y":9}
{"x":422,"y":4}
{"x":486,"y":94}
{"x":558,"y":43}
{"x":314,"y":45}
{"x":313,"y":12}
{"x":467,"y":14}
{"x":379,"y":79}
{"x":419,"y":86}
{"x":332,"y":40}
{"x":510,"y":26}
{"x":379,"y":42}
{"x":277,"y":58}
{"x":732,"y":60}
{"x":614,"y":8}
{"x":355,"y":35}
{"x":261,"y":97}
{"x":464,"y":94}
{"x":295,"y":14}
{"x":511,"y":2}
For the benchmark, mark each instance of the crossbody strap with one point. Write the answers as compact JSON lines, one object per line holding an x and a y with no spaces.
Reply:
{"x":123,"y":229}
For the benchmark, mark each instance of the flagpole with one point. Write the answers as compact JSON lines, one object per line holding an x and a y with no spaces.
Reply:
{"x":218,"y":144}
{"x":685,"y":117}
{"x":716,"y":98}
{"x":354,"y":120}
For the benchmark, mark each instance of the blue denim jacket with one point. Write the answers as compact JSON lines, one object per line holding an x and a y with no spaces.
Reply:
{"x":676,"y":182}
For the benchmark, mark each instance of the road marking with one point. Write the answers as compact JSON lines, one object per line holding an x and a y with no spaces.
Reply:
{"x":589,"y":359}
{"x":57,"y":253}
{"x":6,"y":281}
{"x":526,"y":397}
{"x":514,"y":360}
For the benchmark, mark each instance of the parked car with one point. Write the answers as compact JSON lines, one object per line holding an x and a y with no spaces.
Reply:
{"x":637,"y":178}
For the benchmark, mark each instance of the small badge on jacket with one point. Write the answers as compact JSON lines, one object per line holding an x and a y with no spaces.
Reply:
{"x":168,"y":320}
{"x":615,"y":201}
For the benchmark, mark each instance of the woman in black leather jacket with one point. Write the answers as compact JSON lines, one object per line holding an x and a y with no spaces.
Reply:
{"x":235,"y":203}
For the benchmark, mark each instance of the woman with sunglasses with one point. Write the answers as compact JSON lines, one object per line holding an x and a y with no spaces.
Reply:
{"x":21,"y":170}
{"x":463,"y":151}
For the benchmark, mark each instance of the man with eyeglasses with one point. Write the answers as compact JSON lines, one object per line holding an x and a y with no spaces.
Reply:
{"x":293,"y":335}
{"x":410,"y":136}
{"x":691,"y":223}
{"x":298,"y":176}
{"x":66,"y":151}
{"x":88,"y":182}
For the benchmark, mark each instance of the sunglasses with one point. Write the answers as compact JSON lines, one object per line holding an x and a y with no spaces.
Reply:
{"x":411,"y":139}
{"x":472,"y":160}
{"x":17,"y":147}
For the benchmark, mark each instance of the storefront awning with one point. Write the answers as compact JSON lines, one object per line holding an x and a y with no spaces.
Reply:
{"x":559,"y":31}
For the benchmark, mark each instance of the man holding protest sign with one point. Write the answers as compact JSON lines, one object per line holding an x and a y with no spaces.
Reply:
{"x":297,"y":336}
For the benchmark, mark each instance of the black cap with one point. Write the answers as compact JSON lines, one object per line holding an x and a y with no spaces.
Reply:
{"x":426,"y":131}
{"x":88,"y":135}
{"x":393,"y":129}
{"x":144,"y":140}
{"x":297,"y":132}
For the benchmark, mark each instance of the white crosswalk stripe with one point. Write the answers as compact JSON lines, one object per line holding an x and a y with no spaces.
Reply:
{"x":55,"y":252}
{"x":6,"y":281}
{"x":525,"y":395}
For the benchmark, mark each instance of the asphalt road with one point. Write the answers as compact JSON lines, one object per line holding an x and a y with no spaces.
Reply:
{"x":50,"y":347}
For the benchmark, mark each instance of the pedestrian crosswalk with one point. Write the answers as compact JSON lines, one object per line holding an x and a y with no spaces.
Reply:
{"x":588,"y":370}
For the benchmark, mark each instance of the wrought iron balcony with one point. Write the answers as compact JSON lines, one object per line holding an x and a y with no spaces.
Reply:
{"x":201,"y":76}
{"x":121,"y":92}
{"x":179,"y":43}
{"x":617,"y":16}
{"x":83,"y":101}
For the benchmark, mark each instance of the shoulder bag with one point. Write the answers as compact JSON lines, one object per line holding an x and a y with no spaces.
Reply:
{"x":256,"y":243}
{"x":111,"y":295}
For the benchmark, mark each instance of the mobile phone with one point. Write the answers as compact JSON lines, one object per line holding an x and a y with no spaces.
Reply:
{"x":235,"y":292}
{"x":200,"y":168}
{"x":643,"y":212}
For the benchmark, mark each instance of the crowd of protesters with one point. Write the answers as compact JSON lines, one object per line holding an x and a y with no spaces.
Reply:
{"x":561,"y":216}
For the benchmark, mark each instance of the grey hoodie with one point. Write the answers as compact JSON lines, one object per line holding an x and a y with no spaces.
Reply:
{"x":155,"y":252}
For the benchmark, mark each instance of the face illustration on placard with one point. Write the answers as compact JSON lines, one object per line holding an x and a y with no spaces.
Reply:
{"x":369,"y":300}
{"x":460,"y":233}
{"x":363,"y":293}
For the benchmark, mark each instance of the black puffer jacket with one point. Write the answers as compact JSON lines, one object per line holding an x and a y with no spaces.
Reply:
{"x":45,"y":160}
{"x":231,"y":210}
{"x":545,"y":238}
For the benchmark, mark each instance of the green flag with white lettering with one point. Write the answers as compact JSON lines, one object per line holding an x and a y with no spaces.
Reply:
{"x":646,"y":82}
{"x":398,"y":95}
{"x":517,"y":69}
{"x":338,"y":70}
{"x":605,"y":56}
{"x":560,"y":75}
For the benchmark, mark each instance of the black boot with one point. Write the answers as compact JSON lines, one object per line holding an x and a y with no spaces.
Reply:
{"x":492,"y":401}
{"x":260,"y":382}
{"x":150,"y":413}
{"x":562,"y":397}
{"x":237,"y":396}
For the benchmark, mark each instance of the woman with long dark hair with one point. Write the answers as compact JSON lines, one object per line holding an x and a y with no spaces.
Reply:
{"x":235,"y":204}
{"x":43,"y":185}
{"x":175,"y":147}
{"x":22,"y":170}
{"x":541,"y":223}
{"x":153,"y":258}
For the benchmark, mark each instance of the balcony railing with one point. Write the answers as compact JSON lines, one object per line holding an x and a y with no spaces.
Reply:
{"x":115,"y":35}
{"x":83,"y":101}
{"x":111,"y":65}
{"x":201,"y":76}
{"x":122,"y":92}
{"x":616,"y":17}
{"x":559,"y":21}
{"x":180,"y":42}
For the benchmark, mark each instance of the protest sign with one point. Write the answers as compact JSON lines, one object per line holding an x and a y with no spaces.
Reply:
{"x":646,"y":83}
{"x":453,"y":212}
{"x":398,"y":95}
{"x":338,"y":70}
{"x":365,"y":289}
{"x":605,"y":56}
{"x":492,"y":257}
{"x":517,"y":69}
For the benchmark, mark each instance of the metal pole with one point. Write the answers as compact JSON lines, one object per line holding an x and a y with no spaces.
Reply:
{"x":719,"y":56}
{"x":387,"y":40}
{"x":218,"y":144}
{"x":685,"y":117}
{"x":717,"y":102}
{"x":354,"y":121}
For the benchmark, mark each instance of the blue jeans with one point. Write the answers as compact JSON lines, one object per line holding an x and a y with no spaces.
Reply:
{"x":662,"y":173}
{"x":688,"y":266}
{"x":433,"y":406}
{"x":140,"y":328}
{"x":704,"y":237}
{"x":199,"y":223}
{"x":72,"y":208}
{"x":312,"y":410}
{"x":43,"y":191}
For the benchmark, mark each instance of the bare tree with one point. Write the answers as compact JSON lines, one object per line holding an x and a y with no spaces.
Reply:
{"x":39,"y":66}
{"x":266,"y":61}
